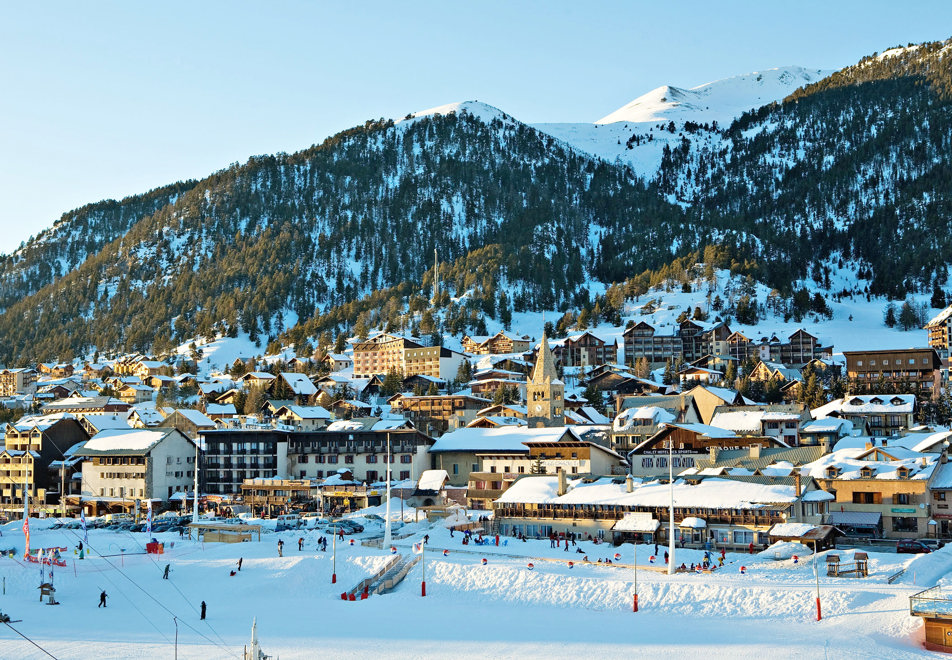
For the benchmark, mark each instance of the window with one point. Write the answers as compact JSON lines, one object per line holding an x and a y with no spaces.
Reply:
{"x":348,"y":459}
{"x":903,"y":524}
{"x":912,"y":360}
{"x":371,"y":458}
{"x":872,"y":363}
{"x":901,"y":498}
{"x":406,"y":458}
{"x":475,"y":467}
{"x":332,"y":458}
{"x":867,"y":498}
{"x":859,"y":363}
{"x":885,"y":363}
{"x":455,"y":468}
{"x":940,"y":495}
{"x":371,"y":475}
{"x":404,"y":474}
{"x":303,"y":458}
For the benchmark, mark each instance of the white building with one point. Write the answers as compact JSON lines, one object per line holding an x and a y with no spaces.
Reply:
{"x":122,"y":466}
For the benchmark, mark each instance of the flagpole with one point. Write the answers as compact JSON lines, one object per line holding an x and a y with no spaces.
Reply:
{"x":671,"y":507}
{"x":387,"y":539}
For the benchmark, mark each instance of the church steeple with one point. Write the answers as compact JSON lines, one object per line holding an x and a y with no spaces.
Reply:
{"x":545,"y":393}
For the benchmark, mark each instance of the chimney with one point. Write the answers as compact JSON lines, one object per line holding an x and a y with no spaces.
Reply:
{"x":755,"y":451}
{"x":714,"y":451}
{"x":629,"y":484}
{"x":869,"y":445}
{"x":563,"y":485}
{"x":825,"y":445}
{"x":797,"y":484}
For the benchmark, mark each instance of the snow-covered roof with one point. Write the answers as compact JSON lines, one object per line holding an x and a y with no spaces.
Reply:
{"x":308,"y":412}
{"x":626,"y":418}
{"x":706,"y":430}
{"x":712,"y":493}
{"x":432,"y":479}
{"x":693,"y":522}
{"x":196,"y":417}
{"x":861,"y":404}
{"x":118,"y":440}
{"x":828,"y":425}
{"x":220,"y":409}
{"x":595,"y":416}
{"x":637,"y":521}
{"x":790,"y":529}
{"x":739,"y":420}
{"x":505,"y":438}
{"x":299,"y":383}
{"x":933,"y":442}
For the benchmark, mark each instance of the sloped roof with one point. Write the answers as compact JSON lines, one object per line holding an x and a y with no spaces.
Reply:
{"x":505,"y":438}
{"x":120,"y":441}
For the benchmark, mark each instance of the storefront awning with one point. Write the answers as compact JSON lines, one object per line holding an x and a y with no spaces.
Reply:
{"x":856,"y":518}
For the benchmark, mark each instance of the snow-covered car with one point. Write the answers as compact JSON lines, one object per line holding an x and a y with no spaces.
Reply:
{"x":932,"y":544}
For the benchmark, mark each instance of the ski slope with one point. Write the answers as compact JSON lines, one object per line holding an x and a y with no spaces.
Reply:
{"x":502,"y":609}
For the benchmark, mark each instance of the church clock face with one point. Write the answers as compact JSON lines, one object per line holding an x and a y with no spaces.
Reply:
{"x":538,"y":407}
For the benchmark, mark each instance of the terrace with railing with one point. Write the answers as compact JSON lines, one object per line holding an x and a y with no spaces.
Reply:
{"x":934,"y":602}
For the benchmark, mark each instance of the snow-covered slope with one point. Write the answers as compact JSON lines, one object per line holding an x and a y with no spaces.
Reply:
{"x":721,"y":100}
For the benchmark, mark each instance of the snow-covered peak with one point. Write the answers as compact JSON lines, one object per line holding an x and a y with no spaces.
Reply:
{"x":482,"y":111}
{"x":721,"y":100}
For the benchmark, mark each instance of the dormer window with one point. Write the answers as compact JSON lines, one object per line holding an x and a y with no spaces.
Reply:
{"x":903,"y":472}
{"x":896,"y":401}
{"x":876,"y":400}
{"x":866,"y":472}
{"x":856,"y":401}
{"x":831,"y":472}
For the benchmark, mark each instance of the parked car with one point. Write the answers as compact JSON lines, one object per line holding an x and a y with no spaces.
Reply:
{"x":932,"y":544}
{"x":911,"y":546}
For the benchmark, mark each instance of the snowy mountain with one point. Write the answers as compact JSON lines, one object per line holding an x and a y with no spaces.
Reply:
{"x":637,"y":133}
{"x":721,"y":101}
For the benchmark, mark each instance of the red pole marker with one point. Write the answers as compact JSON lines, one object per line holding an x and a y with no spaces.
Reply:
{"x":423,"y":589}
{"x":334,"y":578}
{"x":635,"y":609}
{"x":818,"y":615}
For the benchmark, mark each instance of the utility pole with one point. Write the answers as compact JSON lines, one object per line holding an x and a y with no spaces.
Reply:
{"x":195,"y":499}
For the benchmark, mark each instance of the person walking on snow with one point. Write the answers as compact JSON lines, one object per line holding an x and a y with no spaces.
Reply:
{"x":665,"y":556}
{"x":102,"y":599}
{"x":280,"y":548}
{"x":239,"y":563}
{"x":203,"y":610}
{"x":165,"y":573}
{"x":300,"y":544}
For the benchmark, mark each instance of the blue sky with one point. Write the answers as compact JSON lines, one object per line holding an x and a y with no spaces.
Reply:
{"x":107,"y":99}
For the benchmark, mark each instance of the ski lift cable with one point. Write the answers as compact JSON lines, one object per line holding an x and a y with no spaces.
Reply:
{"x":161,"y":604}
{"x":28,"y":639}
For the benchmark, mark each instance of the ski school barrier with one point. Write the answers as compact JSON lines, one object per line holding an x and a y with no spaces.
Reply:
{"x":389,"y":584}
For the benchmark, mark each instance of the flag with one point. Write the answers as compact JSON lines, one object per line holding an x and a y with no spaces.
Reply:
{"x":82,"y":519}
{"x":148,"y":518}
{"x":418,"y":548}
{"x":26,"y":535}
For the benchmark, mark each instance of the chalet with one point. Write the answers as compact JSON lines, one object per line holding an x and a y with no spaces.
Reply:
{"x":303,"y":418}
{"x":885,"y":414}
{"x":757,"y":461}
{"x":347,"y":408}
{"x":94,"y":423}
{"x":828,"y":430}
{"x":495,"y":421}
{"x":690,"y":341}
{"x":123,"y":467}
{"x":500,"y":343}
{"x":146,"y":368}
{"x":685,"y":445}
{"x":191,"y":423}
{"x":694,"y":374}
{"x":337,"y":361}
{"x":422,"y":383}
{"x":780,"y":420}
{"x":217,"y":411}
{"x":767,"y":371}
{"x":331,"y":384}
{"x":430,"y":489}
{"x":633,"y":426}
{"x":94,"y":370}
{"x":708,"y":398}
{"x":259,"y":379}
{"x":55,"y":369}
{"x":132,"y":394}
{"x":438,"y":414}
{"x":584,"y":350}
{"x":146,"y":417}
{"x":486,"y":388}
{"x":682,"y":406}
{"x":940,"y":495}
{"x":79,"y":404}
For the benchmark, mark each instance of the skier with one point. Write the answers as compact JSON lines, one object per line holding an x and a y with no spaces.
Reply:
{"x":102,"y":599}
{"x":165,"y":574}
{"x":203,"y":610}
{"x":280,"y":548}
{"x":239,"y":563}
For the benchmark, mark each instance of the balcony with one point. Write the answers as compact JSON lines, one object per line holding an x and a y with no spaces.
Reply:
{"x":934,"y":602}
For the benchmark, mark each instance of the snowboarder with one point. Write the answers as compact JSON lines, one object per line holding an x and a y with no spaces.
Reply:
{"x":280,"y":548}
{"x":203,"y":610}
{"x":165,"y":573}
{"x":102,"y":599}
{"x":239,"y":563}
{"x":300,"y":544}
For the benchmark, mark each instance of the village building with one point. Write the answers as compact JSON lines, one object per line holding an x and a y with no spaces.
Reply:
{"x":437,"y":414}
{"x":190,"y":422}
{"x":17,"y":381}
{"x":585,"y":350}
{"x":30,"y":446}
{"x":883,"y":414}
{"x":124,"y":468}
{"x":303,"y":418}
{"x":883,"y":492}
{"x":828,"y":430}
{"x":501,"y":343}
{"x":458,"y":452}
{"x":917,"y":370}
{"x":633,"y":426}
{"x":545,"y":393}
{"x":691,"y":341}
{"x":363,"y":452}
{"x":683,"y":445}
{"x":732,"y":513}
{"x":83,"y":404}
{"x":777,"y":420}
{"x":384,"y":353}
{"x":337,"y":361}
